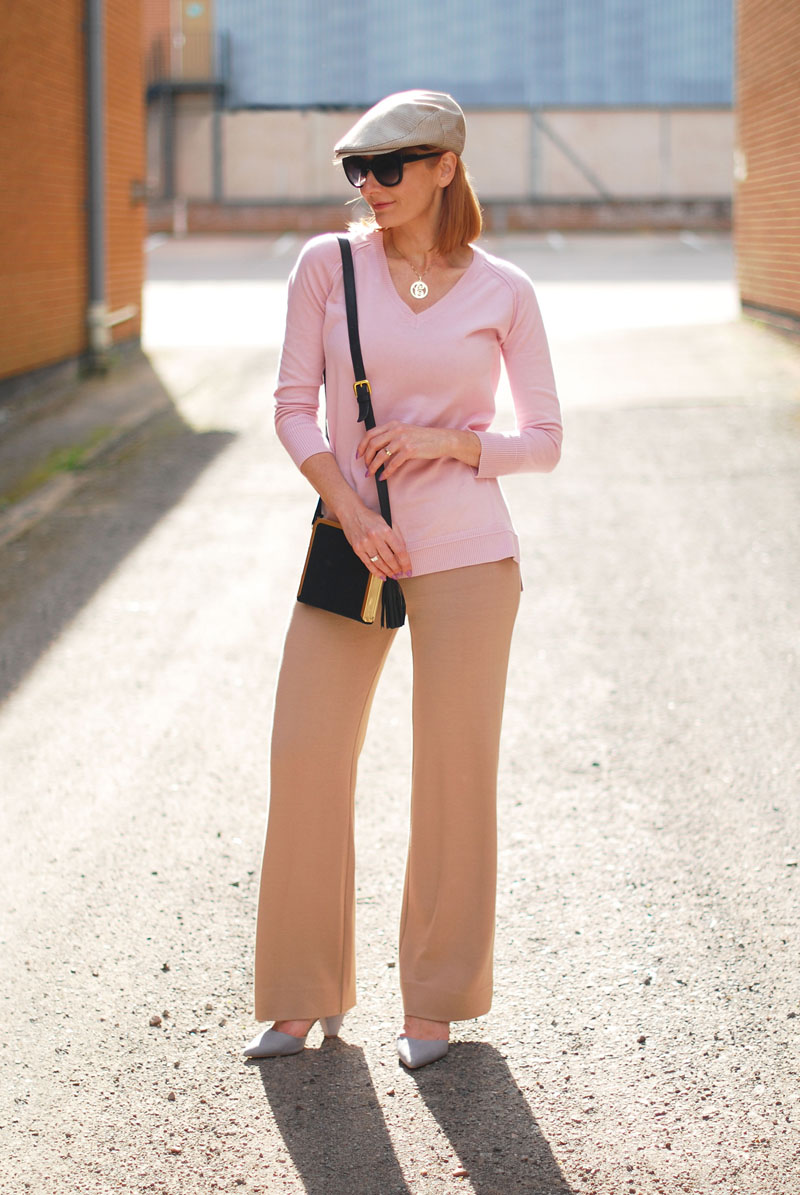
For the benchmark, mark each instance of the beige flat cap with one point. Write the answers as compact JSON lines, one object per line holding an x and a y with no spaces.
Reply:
{"x":405,"y":119}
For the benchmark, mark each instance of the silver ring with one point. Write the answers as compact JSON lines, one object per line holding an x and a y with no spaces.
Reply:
{"x":372,"y":559}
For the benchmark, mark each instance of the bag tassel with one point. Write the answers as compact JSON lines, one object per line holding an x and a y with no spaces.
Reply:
{"x":393,"y":605}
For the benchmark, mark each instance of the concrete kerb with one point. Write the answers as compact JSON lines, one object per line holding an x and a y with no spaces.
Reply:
{"x":55,"y":437}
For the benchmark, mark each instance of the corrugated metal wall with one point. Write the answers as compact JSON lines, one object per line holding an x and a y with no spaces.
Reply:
{"x":531,"y":53}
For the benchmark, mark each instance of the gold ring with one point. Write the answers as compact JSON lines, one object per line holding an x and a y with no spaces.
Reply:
{"x":388,"y":451}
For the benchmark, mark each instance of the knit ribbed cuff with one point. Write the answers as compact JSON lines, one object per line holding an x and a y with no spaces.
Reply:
{"x":500,"y":454}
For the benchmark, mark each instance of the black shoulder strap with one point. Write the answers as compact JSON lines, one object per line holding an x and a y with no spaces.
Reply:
{"x":360,"y":385}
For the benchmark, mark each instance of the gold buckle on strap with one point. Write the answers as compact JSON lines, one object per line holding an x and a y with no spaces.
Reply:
{"x":363,"y":382}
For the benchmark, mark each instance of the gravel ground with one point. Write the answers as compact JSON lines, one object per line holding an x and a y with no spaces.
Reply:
{"x":645,"y":1036}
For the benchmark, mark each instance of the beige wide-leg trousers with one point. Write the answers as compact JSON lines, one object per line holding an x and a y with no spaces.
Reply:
{"x":461,"y":622}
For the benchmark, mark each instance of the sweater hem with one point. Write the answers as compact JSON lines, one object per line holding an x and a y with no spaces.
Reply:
{"x":477,"y":549}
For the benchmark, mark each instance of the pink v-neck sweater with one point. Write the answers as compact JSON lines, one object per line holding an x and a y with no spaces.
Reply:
{"x":437,"y":368}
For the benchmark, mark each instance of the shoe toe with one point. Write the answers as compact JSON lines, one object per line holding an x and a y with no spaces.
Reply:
{"x":273,"y":1044}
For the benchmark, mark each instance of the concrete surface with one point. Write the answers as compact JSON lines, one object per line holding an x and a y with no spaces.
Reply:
{"x":645,"y":1035}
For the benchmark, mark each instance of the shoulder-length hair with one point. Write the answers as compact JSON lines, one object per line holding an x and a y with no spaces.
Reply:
{"x":460,"y":218}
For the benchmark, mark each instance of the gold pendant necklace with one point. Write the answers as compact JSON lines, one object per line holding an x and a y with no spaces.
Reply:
{"x":418,"y":289}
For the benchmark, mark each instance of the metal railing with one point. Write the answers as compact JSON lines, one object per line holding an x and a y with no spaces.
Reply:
{"x":188,"y":59}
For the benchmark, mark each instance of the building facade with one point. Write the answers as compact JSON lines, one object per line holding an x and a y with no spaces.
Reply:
{"x":521,"y":54}
{"x":767,"y":161}
{"x":45,"y":198}
{"x":624,"y":106}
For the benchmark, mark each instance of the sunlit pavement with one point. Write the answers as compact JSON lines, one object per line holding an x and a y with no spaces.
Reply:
{"x":644,"y":1033}
{"x":226,"y":291}
{"x":638,"y":318}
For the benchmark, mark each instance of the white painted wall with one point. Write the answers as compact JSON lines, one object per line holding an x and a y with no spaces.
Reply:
{"x":512,"y":155}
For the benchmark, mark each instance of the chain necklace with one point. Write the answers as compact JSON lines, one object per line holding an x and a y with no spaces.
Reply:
{"x":418,"y":289}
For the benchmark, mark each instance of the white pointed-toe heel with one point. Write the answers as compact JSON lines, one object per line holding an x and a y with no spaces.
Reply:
{"x":331,"y":1025}
{"x":274,"y":1044}
{"x":416,"y":1051}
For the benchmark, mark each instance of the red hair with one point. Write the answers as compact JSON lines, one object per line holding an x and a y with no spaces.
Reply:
{"x":460,"y":220}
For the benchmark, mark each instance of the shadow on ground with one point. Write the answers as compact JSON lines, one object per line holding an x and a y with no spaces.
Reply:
{"x":327,"y":1111}
{"x":49,"y":573}
{"x":474,"y":1098}
{"x":326,"y":1108}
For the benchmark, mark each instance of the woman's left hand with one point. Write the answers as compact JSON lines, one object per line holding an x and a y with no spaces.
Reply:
{"x":392,"y":444}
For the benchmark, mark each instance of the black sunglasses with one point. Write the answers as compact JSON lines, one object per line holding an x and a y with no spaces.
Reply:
{"x":387,"y":169}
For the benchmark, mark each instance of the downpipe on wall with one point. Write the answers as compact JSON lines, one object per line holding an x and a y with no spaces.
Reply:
{"x":99,"y":334}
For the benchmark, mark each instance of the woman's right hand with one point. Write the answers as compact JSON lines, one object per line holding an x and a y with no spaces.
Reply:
{"x":368,"y":534}
{"x":379,"y":546}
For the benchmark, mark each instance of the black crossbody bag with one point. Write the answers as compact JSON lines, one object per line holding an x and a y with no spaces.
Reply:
{"x":334,"y":578}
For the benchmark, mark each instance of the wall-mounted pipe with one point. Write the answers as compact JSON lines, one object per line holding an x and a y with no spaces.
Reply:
{"x":97,"y":310}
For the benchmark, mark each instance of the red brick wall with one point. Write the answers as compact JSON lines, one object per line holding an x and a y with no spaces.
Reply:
{"x":767,"y":198}
{"x":42,"y":233}
{"x":43,"y":239}
{"x":156,"y":16}
{"x":156,"y":23}
{"x":583,"y":216}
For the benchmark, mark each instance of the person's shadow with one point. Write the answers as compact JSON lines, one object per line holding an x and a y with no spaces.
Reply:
{"x":486,"y":1118}
{"x":328,"y":1114}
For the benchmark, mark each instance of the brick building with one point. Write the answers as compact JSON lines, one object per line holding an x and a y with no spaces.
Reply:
{"x":767,"y":195}
{"x":45,"y":195}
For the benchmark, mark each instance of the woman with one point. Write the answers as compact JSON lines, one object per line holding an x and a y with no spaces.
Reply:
{"x":436,"y":314}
